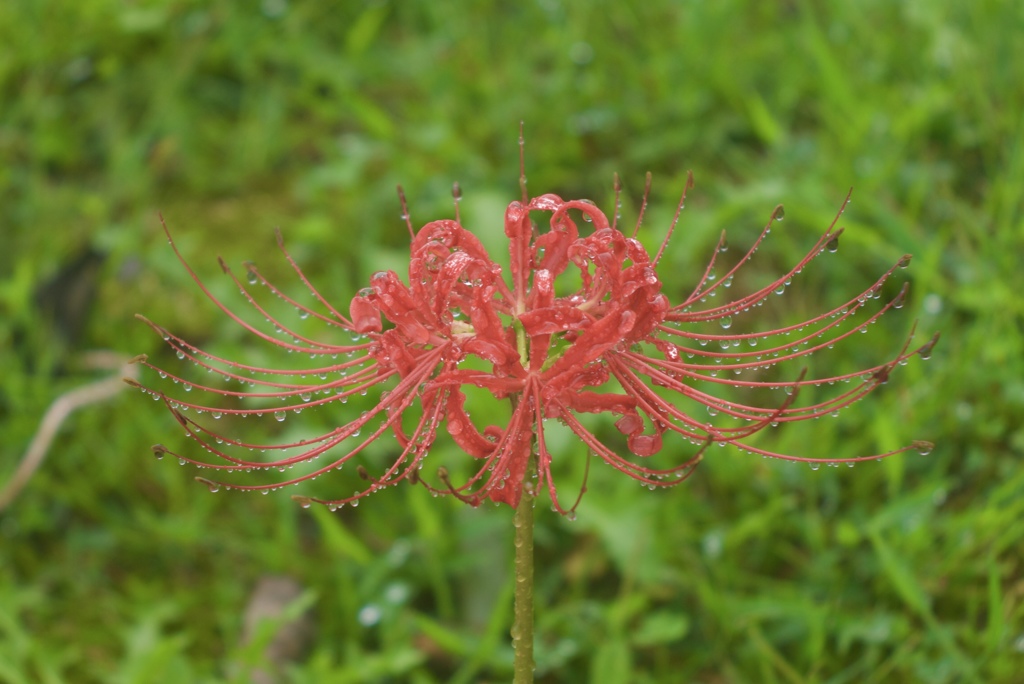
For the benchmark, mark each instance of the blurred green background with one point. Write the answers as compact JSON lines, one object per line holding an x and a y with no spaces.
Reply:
{"x":233,"y":118}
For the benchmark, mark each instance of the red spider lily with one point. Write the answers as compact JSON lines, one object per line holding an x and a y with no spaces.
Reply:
{"x":583,"y":327}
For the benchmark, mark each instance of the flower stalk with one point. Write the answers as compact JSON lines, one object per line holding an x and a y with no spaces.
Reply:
{"x":522,"y":624}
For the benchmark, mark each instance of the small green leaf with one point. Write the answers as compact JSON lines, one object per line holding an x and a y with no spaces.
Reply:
{"x":661,"y":627}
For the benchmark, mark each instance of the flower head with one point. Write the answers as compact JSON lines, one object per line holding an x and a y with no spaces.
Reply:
{"x":578,"y":326}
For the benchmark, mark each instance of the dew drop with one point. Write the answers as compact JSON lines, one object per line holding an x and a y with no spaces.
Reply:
{"x":780,"y":213}
{"x":814,"y":465}
{"x":725,"y":322}
{"x":833,"y":244}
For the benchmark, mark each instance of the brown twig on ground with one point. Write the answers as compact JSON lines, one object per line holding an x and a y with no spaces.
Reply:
{"x":62,"y":407}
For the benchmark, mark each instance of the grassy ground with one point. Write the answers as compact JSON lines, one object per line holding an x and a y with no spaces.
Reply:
{"x":234,"y":118}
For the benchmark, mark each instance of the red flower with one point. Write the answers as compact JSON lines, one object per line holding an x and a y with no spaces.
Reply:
{"x":582,"y":327}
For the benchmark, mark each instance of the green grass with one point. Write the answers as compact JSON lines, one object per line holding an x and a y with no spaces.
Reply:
{"x":234,"y":118}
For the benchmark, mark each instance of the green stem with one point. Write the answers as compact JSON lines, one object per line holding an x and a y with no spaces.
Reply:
{"x":522,"y":624}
